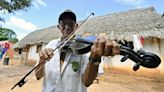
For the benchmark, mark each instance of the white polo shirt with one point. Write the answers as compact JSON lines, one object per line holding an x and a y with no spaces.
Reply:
{"x":67,"y":80}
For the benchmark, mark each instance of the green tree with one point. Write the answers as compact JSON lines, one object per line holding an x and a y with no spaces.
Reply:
{"x":10,"y":6}
{"x":8,"y":34}
{"x":14,"y":5}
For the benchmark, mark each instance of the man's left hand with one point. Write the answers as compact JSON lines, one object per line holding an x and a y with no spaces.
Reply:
{"x":104,"y":47}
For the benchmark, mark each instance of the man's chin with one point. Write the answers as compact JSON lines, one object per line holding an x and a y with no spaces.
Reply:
{"x":64,"y":36}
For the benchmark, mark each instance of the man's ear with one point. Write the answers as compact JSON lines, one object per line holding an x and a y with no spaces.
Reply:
{"x":76,"y":25}
{"x":58,"y":26}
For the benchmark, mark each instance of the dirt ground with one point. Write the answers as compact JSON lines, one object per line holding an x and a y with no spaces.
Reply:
{"x":109,"y":82}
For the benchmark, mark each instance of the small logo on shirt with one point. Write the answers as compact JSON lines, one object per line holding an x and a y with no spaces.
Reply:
{"x":75,"y":66}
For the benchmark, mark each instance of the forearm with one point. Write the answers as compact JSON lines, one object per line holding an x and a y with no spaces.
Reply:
{"x":39,"y":71}
{"x":90,"y":74}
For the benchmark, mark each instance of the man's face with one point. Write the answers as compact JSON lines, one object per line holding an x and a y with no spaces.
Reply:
{"x":67,"y":26}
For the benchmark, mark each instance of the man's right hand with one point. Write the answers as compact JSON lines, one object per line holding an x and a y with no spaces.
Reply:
{"x":46,"y":54}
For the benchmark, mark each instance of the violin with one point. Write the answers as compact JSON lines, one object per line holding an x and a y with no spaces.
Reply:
{"x":82,"y":45}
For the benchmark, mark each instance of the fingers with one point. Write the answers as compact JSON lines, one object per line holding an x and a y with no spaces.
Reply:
{"x":104,"y":47}
{"x":46,"y":54}
{"x":112,"y":48}
{"x":116,"y":48}
{"x":108,"y":48}
{"x":98,"y":47}
{"x":94,"y":51}
{"x":49,"y":53}
{"x":101,"y":45}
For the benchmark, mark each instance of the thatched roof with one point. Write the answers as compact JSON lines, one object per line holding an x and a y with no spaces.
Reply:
{"x":122,"y":25}
{"x":38,"y":37}
{"x":145,"y":22}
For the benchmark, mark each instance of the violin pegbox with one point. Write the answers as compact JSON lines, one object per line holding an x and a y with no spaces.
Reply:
{"x":140,"y":57}
{"x":131,"y":54}
{"x":126,"y":43}
{"x":127,"y":52}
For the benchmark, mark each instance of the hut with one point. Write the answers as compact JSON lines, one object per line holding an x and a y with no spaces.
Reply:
{"x":145,"y":22}
{"x":27,"y":49}
{"x":6,"y":50}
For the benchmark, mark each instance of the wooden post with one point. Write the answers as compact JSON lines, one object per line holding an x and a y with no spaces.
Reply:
{"x":27,"y":52}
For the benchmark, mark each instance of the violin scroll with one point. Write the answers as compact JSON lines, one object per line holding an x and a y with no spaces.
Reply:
{"x":141,"y":58}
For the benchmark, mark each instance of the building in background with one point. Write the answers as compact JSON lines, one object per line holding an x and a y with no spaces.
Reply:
{"x":145,"y":23}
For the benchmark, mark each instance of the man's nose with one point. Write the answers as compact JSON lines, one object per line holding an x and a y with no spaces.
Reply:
{"x":67,"y":27}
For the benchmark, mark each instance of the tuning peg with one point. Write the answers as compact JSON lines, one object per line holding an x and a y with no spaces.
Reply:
{"x":130,"y":45}
{"x":141,"y":52}
{"x":136,"y":66}
{"x":124,"y":58}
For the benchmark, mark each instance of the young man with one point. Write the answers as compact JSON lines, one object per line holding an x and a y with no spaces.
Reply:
{"x":66,"y":71}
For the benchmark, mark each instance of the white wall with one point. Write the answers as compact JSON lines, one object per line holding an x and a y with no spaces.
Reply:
{"x":161,"y":46}
{"x":32,"y":52}
{"x":156,"y":46}
{"x":152,"y":45}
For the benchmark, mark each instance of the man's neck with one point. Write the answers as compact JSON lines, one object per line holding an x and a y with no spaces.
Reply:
{"x":62,"y":58}
{"x":62,"y":38}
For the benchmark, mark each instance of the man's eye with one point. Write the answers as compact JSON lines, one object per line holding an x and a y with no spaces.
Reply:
{"x":62,"y":24}
{"x":69,"y":24}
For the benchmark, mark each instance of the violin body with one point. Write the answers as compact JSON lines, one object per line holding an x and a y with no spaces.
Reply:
{"x":83,"y":45}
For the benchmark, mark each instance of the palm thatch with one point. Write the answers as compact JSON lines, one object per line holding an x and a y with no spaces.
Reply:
{"x":145,"y":22}
{"x":38,"y":37}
